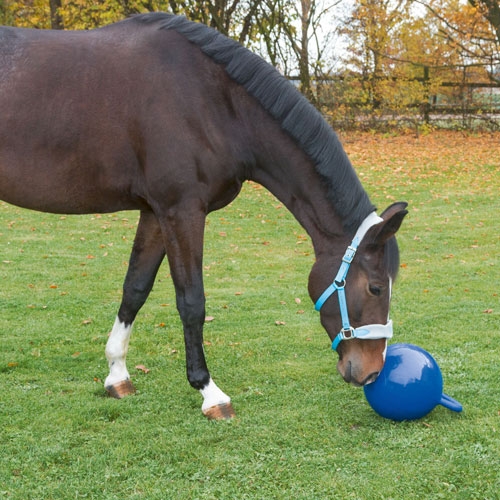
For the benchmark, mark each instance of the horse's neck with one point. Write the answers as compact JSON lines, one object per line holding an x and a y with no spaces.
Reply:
{"x":291,"y":176}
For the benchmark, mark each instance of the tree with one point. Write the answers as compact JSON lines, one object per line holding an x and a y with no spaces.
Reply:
{"x":471,"y":30}
{"x":290,"y":31}
{"x":490,"y":9}
{"x":234,"y":18}
{"x":56,"y":20}
{"x":310,"y":15}
{"x":370,"y":30}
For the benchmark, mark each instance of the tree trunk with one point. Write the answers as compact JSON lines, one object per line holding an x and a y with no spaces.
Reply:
{"x":491,"y":11}
{"x":56,"y":20}
{"x":304,"y":75}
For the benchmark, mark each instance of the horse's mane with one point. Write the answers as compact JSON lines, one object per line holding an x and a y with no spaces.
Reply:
{"x":286,"y":105}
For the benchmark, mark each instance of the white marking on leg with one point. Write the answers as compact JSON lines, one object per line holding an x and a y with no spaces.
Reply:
{"x":213,"y":396}
{"x":116,"y":353}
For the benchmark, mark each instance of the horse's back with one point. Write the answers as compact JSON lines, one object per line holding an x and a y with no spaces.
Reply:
{"x":82,"y":110}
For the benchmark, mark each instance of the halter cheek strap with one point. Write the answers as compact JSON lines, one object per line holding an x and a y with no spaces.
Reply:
{"x":338,"y":285}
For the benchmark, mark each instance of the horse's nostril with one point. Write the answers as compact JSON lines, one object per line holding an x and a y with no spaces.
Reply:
{"x":371,"y":378}
{"x":347,"y":375}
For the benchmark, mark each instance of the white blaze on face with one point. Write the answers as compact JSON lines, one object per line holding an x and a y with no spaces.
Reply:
{"x":116,"y":353}
{"x":384,"y":354}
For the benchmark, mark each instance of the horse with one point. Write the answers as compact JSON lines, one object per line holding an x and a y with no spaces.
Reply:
{"x":169,"y":117}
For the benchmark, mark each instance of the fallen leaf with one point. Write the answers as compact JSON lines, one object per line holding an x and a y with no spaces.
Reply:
{"x":488,"y":311}
{"x":75,"y":354}
{"x":208,"y":319}
{"x":86,"y":321}
{"x":142,"y":368}
{"x":297,"y":301}
{"x":279,"y":323}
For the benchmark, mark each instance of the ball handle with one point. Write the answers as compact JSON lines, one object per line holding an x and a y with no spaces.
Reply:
{"x":450,"y":403}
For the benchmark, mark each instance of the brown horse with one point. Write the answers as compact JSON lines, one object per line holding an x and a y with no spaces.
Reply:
{"x":169,"y":117}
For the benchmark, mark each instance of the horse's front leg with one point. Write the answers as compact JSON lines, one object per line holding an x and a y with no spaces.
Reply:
{"x":183,"y":232}
{"x":147,"y":255}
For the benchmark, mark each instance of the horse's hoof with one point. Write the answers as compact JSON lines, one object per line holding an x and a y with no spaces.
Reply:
{"x":220,"y":412}
{"x":121,"y":389}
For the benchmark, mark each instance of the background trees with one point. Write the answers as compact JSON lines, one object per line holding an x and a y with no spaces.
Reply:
{"x":352,"y":58}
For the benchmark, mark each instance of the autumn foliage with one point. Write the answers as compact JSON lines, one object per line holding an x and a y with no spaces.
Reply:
{"x":372,"y":64}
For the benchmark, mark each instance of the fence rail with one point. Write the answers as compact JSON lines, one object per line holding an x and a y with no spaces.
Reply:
{"x":467,"y":104}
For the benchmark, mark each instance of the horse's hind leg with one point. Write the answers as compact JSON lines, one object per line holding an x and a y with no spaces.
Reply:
{"x":147,"y":255}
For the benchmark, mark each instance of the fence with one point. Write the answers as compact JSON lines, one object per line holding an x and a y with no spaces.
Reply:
{"x":353,"y":102}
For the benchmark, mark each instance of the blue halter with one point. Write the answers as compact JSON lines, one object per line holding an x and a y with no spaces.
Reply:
{"x":375,"y":331}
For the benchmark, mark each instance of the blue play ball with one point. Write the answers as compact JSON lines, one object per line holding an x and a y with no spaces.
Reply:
{"x":409,"y":386}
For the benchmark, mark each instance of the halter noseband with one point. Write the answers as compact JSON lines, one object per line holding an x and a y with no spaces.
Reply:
{"x":348,"y":332}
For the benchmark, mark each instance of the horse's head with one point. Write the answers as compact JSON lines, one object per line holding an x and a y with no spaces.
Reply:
{"x":354,"y":308}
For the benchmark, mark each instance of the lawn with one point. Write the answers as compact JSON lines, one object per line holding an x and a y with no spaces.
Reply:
{"x":300,"y":431}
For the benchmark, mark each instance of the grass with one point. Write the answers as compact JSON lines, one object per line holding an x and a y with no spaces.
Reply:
{"x":300,"y":432}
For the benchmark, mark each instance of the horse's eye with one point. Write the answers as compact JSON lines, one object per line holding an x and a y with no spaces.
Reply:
{"x":374,"y":290}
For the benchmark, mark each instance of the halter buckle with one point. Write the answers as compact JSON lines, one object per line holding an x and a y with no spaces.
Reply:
{"x":349,"y":254}
{"x":348,"y":333}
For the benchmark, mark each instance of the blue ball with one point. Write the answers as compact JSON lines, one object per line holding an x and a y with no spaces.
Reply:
{"x":409,"y":386}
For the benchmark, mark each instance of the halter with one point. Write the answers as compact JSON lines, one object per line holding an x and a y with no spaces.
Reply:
{"x":375,"y":331}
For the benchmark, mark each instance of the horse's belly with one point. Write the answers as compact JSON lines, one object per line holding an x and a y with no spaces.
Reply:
{"x":59,"y":188}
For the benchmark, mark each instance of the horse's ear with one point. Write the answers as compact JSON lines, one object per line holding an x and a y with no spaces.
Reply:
{"x":392,"y":218}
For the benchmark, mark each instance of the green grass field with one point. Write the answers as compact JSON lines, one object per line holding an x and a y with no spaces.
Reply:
{"x":300,"y":431}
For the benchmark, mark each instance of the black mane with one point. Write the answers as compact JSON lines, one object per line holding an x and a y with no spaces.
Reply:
{"x":287,"y":105}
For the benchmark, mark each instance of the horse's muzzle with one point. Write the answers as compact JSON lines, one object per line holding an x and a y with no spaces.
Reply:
{"x":350,"y":377}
